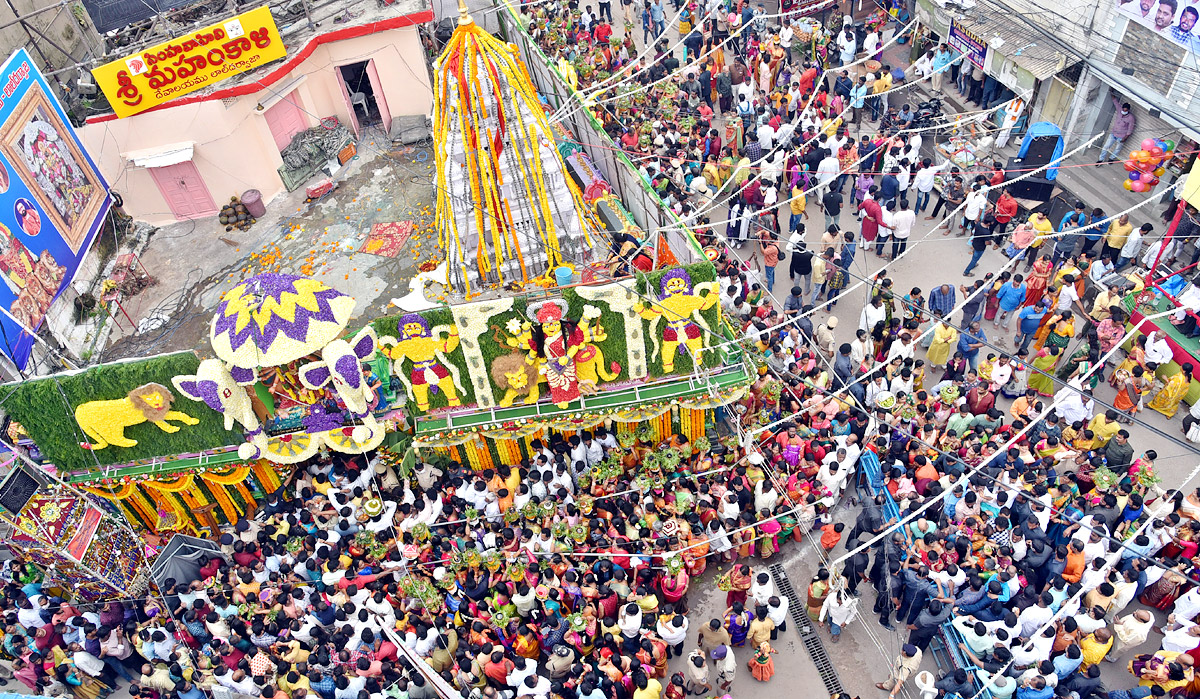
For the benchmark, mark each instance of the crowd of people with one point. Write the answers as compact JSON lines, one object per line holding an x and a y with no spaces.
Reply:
{"x":1030,"y":528}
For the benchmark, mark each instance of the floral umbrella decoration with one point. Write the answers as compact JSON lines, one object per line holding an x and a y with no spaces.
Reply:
{"x":272,"y":319}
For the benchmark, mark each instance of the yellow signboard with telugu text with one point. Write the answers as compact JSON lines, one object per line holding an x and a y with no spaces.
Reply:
{"x":174,"y":68}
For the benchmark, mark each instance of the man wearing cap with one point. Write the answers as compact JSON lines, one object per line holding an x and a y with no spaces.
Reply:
{"x":824,"y":336}
{"x":905,"y":664}
{"x":726,"y":666}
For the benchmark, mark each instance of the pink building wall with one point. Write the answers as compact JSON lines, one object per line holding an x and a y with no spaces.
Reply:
{"x":233,"y":148}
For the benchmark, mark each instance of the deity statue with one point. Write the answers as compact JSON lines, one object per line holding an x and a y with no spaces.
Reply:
{"x":427,"y":350}
{"x":677,"y":304}
{"x":556,"y":342}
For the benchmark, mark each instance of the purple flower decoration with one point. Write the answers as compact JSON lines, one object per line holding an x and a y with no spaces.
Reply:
{"x":320,"y":421}
{"x":272,"y":319}
{"x":677,"y":273}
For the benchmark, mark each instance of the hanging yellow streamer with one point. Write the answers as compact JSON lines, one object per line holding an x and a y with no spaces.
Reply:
{"x":266,"y":476}
{"x":228,"y":506}
{"x":180,"y":485}
{"x":233,"y":477}
{"x":124,"y":491}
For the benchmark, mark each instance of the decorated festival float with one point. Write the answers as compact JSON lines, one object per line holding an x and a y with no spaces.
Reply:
{"x":88,"y":552}
{"x":546,"y":332}
{"x":554,"y":332}
{"x":1166,"y":286}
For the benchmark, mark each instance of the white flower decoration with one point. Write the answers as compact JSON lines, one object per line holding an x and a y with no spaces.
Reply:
{"x":513,"y":326}
{"x":590,"y":311}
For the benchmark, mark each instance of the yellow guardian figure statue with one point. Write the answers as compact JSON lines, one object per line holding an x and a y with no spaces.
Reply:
{"x":427,"y":351}
{"x":676,"y":305}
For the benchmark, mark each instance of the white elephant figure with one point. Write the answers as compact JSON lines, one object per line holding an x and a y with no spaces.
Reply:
{"x":215,"y":385}
{"x":340,"y":366}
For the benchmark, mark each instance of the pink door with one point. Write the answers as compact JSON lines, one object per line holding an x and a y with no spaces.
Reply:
{"x":285,"y":119}
{"x":377,"y":87}
{"x":349,"y":107}
{"x":184,"y":191}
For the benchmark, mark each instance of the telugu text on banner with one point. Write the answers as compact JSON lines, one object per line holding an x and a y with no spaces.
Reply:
{"x":161,"y":73}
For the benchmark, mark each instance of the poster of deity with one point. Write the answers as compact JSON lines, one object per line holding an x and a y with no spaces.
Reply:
{"x":53,"y":203}
{"x":46,"y":155}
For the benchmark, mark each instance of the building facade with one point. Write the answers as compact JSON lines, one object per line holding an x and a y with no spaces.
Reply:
{"x":181,"y":160}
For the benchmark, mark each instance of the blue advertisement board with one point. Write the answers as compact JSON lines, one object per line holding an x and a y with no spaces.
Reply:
{"x":964,"y":41}
{"x":52,"y":203}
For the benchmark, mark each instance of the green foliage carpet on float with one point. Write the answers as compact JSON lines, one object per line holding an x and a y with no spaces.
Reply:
{"x":46,"y":407}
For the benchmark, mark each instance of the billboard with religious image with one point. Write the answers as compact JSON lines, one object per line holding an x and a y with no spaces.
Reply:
{"x":52,"y":203}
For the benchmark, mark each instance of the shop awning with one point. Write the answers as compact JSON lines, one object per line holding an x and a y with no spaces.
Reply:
{"x":162,"y":156}
{"x":1017,"y":42}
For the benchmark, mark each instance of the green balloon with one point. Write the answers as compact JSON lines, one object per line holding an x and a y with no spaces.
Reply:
{"x":1168,"y":145}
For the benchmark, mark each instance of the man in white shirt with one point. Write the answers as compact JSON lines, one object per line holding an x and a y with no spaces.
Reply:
{"x":976,"y":203}
{"x":833,"y":474}
{"x":521,"y":671}
{"x":1188,"y":605}
{"x":1180,"y":636}
{"x":924,"y":180}
{"x":1033,"y":617}
{"x":902,"y":225}
{"x":1001,"y":372}
{"x":1067,"y":295}
{"x":595,"y":452}
{"x":828,"y":169}
{"x":872,"y":313}
{"x":1158,"y":350}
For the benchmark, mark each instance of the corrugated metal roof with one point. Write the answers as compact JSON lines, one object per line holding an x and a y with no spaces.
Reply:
{"x":1037,"y":54}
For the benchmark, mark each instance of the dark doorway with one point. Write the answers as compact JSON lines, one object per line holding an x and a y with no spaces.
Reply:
{"x":361,"y":92}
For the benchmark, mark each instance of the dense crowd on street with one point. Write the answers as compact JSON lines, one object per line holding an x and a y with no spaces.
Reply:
{"x":996,"y":408}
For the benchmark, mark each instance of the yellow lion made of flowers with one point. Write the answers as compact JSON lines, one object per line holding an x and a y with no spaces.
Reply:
{"x":105,"y":420}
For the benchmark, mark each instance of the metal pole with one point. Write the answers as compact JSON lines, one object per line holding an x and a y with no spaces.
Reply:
{"x":35,"y":30}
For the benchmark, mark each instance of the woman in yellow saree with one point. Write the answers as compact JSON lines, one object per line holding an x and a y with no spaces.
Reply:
{"x":1167,"y":400}
{"x":1056,"y":332}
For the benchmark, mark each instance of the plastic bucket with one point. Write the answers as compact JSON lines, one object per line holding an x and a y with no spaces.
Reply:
{"x":252,"y":199}
{"x":564,"y":275}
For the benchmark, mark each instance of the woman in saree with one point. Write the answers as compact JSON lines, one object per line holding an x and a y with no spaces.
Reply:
{"x":1038,"y":279}
{"x":1081,"y":365}
{"x":695,"y":557}
{"x":1167,"y":669}
{"x":1067,"y":515}
{"x":1056,"y":331}
{"x":1041,"y":379}
{"x":737,"y":623}
{"x":712,"y":173}
{"x":82,"y":685}
{"x":739,"y":584}
{"x":1135,"y":357}
{"x":716,"y":53}
{"x":1130,"y":387}
{"x":776,"y":62}
{"x":769,"y":528}
{"x":1164,"y":591}
{"x":675,"y":587}
{"x":1167,"y":401}
{"x":725,"y":164}
{"x":526,"y":644}
{"x":1185,"y":543}
{"x":818,"y":590}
